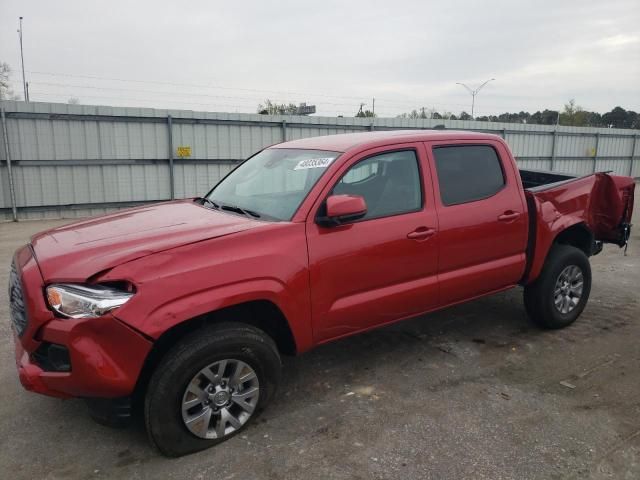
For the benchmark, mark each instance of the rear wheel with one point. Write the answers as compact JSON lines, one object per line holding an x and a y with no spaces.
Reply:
{"x":558,"y":296}
{"x":209,"y":387}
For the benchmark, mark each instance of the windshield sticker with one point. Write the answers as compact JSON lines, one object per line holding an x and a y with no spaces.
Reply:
{"x":314,"y":163}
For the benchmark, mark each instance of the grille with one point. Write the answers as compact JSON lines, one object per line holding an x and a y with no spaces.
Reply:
{"x":16,"y":301}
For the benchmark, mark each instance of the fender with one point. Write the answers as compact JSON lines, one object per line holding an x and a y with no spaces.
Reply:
{"x":544,"y":238}
{"x":193,"y":280}
{"x":175,"y":311}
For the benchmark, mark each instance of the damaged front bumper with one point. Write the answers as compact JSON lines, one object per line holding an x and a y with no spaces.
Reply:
{"x":90,"y":358}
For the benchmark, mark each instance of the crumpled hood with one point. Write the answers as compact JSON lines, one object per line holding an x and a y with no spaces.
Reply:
{"x":79,"y":250}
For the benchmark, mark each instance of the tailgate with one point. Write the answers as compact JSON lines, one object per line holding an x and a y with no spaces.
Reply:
{"x":612,"y":206}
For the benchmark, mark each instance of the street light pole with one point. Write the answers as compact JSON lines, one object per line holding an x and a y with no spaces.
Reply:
{"x":474,"y":93}
{"x":24,"y":81}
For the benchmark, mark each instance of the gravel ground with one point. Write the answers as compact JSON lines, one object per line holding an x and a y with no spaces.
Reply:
{"x":474,"y":391}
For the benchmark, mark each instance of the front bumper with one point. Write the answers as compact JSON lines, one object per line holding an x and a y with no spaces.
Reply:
{"x":106,"y":358}
{"x":105,"y":355}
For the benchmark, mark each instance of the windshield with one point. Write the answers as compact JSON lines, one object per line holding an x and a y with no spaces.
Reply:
{"x":273,"y":183}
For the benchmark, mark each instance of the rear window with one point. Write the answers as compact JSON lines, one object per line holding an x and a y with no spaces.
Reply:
{"x":467,"y":173}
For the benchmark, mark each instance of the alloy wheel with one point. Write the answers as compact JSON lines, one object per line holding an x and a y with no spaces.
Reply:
{"x":220,"y":399}
{"x":568,"y":289}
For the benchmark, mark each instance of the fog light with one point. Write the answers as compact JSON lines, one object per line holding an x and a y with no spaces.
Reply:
{"x":52,"y":357}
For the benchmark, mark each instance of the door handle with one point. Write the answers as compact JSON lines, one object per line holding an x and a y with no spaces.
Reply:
{"x":508,"y":216}
{"x":421,"y":233}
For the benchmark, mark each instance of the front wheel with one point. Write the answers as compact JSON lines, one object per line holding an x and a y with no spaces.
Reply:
{"x":558,"y":296}
{"x":209,"y":387}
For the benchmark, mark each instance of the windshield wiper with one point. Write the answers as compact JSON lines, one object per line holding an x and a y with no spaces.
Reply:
{"x":213,"y":204}
{"x":236,"y":209}
{"x":230,"y":208}
{"x":206,"y":200}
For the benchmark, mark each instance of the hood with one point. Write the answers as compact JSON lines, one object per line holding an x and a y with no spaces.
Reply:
{"x":79,"y":250}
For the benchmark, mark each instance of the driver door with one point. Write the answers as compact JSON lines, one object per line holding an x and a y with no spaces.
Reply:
{"x":382,"y":267}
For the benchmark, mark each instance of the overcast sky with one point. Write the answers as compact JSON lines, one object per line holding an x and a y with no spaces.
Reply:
{"x":230,"y":55}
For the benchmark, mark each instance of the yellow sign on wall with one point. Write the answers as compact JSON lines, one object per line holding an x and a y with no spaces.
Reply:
{"x":183,"y":152}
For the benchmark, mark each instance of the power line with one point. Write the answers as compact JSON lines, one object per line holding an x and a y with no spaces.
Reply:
{"x":406,"y":104}
{"x":179,"y":103}
{"x":94,"y":87}
{"x":158,"y":103}
{"x":142,"y":100}
{"x":400,"y":105}
{"x":178,"y":84}
{"x":265,"y":91}
{"x":155,"y":102}
{"x":245,"y":102}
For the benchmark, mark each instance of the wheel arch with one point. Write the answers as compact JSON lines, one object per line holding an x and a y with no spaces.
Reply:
{"x":262,"y":314}
{"x":578,"y":235}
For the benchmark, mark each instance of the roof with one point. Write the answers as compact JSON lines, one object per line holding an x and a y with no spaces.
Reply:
{"x":347,"y":141}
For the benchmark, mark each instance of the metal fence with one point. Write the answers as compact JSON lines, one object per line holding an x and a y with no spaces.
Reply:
{"x":59,"y":160}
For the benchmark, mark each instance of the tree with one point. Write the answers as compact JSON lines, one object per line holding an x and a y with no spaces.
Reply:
{"x":73,"y":101}
{"x":366,"y":113}
{"x":572,"y":114}
{"x":621,"y":118}
{"x":594,"y":119}
{"x":271,"y":108}
{"x":5,"y":87}
{"x":431,"y":112}
{"x":546,"y":117}
{"x":5,"y":72}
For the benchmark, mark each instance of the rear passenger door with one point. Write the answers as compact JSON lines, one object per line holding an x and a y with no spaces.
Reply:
{"x":482,"y":218}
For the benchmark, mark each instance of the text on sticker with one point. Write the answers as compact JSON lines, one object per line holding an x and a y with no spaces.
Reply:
{"x":314,"y":163}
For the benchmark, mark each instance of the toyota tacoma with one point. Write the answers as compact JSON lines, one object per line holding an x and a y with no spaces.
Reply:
{"x":185,"y":307}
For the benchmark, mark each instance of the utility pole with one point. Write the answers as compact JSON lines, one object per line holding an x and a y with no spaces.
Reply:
{"x":373,"y":106}
{"x":474,"y":93}
{"x":24,"y":81}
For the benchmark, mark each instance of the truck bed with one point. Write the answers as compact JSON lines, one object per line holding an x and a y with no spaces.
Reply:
{"x":600,"y":205}
{"x":532,"y":179}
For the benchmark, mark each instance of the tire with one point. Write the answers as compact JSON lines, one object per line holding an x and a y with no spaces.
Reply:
{"x":542,"y":296}
{"x":206,"y":350}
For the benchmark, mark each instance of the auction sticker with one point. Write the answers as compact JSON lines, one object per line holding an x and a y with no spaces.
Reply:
{"x":322,"y":162}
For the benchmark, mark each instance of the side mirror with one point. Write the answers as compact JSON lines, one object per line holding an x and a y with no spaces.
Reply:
{"x":342,"y":209}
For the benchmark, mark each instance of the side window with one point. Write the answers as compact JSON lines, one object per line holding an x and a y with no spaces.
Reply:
{"x":389,"y":182}
{"x":467,"y":173}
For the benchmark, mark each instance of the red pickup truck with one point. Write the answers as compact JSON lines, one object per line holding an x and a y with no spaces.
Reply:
{"x":187,"y":305}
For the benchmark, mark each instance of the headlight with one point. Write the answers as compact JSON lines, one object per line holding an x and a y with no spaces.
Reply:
{"x":85,"y":301}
